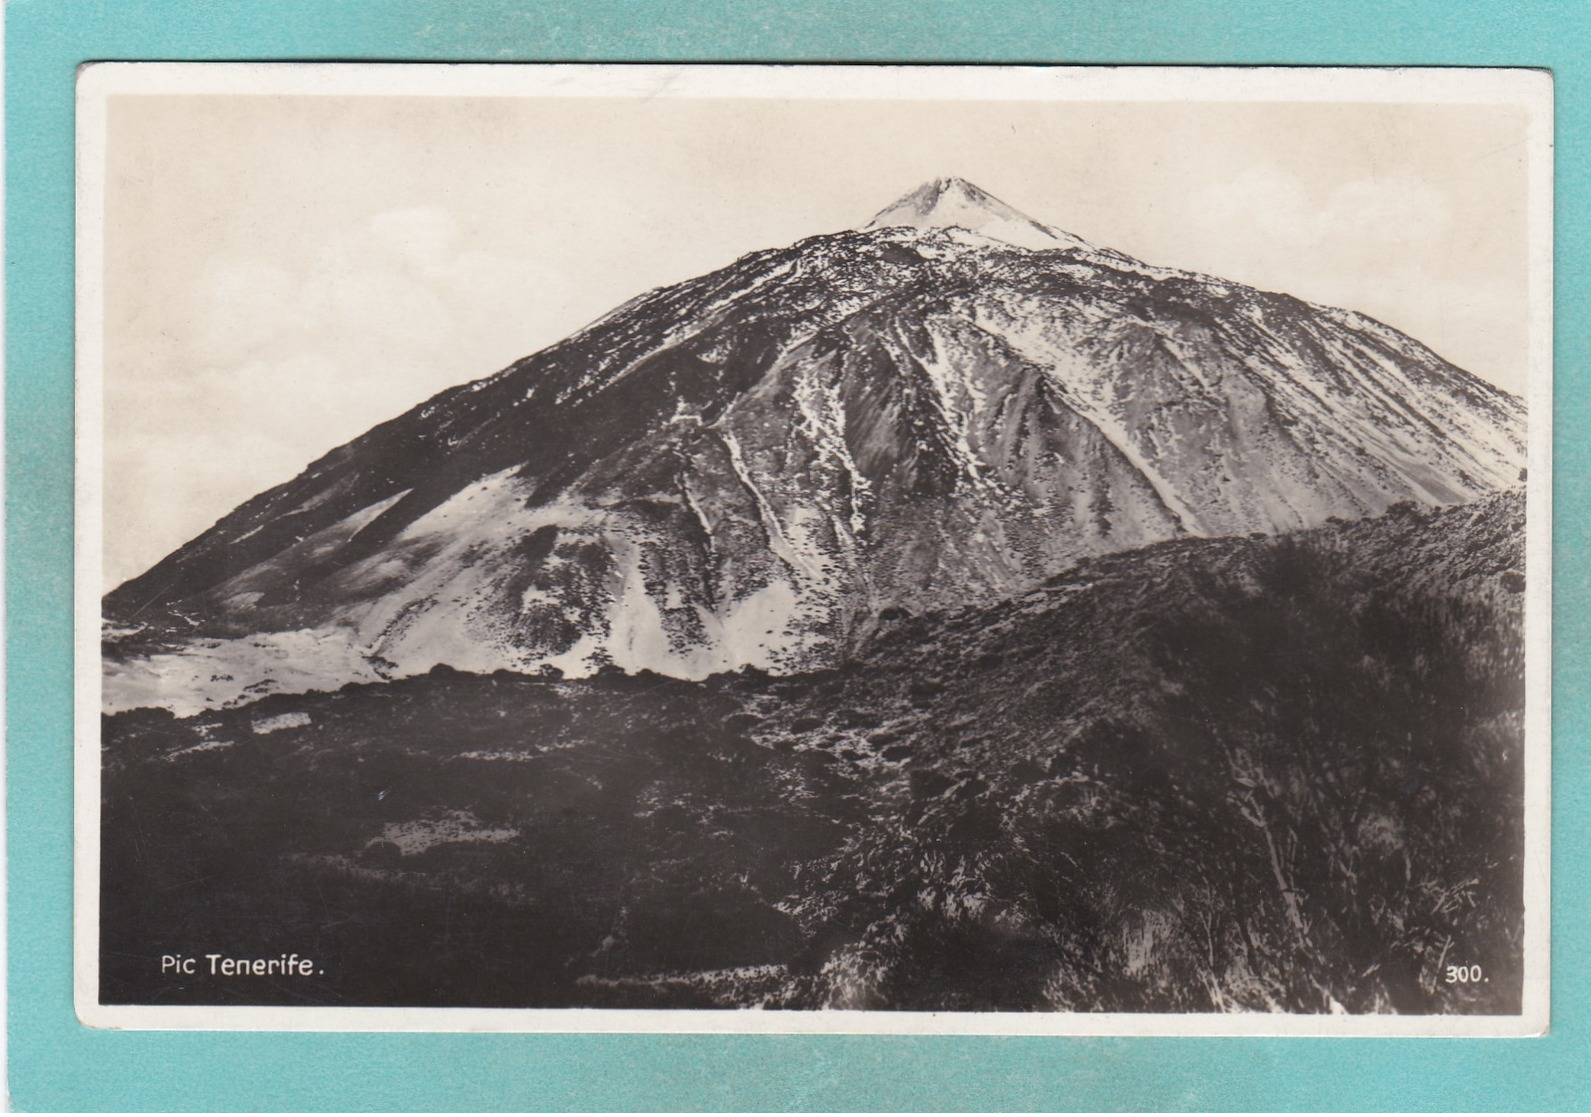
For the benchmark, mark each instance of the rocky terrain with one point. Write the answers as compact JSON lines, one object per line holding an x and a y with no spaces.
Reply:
{"x":1207,"y":774}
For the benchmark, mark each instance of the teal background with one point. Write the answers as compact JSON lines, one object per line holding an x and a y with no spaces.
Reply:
{"x":55,"y":1064}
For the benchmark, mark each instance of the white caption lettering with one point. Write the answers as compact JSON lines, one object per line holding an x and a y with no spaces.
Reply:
{"x":219,"y":965}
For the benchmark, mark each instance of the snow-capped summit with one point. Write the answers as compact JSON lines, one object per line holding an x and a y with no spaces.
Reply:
{"x":955,"y":203}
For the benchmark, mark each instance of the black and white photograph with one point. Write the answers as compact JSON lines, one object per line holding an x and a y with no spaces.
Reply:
{"x":779,"y":548}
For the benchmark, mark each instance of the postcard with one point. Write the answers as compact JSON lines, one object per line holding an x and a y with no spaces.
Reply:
{"x":1022,"y":550}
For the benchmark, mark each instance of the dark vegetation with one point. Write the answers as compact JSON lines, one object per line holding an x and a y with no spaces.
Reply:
{"x":1278,"y":773}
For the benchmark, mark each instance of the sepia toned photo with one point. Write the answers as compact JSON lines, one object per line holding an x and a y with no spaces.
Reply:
{"x":813,"y":548}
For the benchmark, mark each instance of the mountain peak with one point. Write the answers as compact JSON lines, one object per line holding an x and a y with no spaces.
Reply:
{"x":914,"y":429}
{"x":951,"y":202}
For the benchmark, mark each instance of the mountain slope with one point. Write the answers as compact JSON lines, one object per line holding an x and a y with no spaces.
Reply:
{"x":746,"y":468}
{"x":1207,"y":775}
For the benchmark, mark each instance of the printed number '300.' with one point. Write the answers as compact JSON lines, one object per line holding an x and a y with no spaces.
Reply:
{"x":1464,"y":975}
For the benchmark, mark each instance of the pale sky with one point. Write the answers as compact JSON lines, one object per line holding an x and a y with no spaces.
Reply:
{"x":283,"y":272}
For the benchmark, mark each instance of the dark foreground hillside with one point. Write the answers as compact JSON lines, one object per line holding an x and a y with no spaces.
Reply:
{"x":1279,"y":773}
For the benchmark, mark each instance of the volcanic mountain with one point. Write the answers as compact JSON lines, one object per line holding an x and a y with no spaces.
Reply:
{"x":948,"y":405}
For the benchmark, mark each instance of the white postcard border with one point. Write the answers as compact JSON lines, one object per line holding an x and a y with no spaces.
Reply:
{"x":1531,"y":89}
